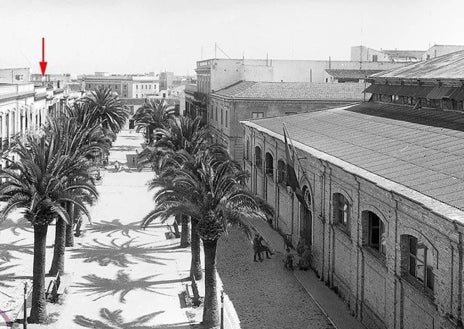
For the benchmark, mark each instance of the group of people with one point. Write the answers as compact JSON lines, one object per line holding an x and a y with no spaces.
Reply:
{"x":303,"y":251}
{"x":304,"y":254}
{"x":259,"y":246}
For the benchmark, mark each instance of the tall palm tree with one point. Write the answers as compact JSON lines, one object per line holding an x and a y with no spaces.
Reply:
{"x":215,"y":194}
{"x":190,"y":136}
{"x":77,"y":143}
{"x":37,"y":185}
{"x":106,"y":110}
{"x":153,"y":114}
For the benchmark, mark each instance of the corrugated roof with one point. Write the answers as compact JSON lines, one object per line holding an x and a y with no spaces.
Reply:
{"x":351,"y":74}
{"x":293,"y":90}
{"x":419,"y":149}
{"x":449,"y":66}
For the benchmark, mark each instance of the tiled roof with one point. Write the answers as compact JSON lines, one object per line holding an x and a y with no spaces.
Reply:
{"x":450,"y":66}
{"x":351,"y":74}
{"x":422,"y":150}
{"x":293,"y":91}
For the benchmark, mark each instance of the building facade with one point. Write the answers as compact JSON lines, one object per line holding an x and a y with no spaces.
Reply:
{"x":247,"y":100}
{"x":127,"y":86}
{"x":384,"y":192}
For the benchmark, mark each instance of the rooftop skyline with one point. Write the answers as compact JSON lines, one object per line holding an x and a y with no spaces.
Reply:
{"x":121,"y":36}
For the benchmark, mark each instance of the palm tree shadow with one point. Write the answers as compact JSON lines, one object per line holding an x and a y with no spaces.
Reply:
{"x":7,"y":248}
{"x":117,"y":254}
{"x":115,"y":226}
{"x":114,"y":320}
{"x":4,"y":277}
{"x":16,"y":226}
{"x":122,"y":285}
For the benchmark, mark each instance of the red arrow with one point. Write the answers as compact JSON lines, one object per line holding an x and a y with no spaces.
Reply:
{"x":43,"y":64}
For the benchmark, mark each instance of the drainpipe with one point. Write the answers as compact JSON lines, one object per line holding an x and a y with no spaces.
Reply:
{"x":397,"y":275}
{"x":330,"y":236}
{"x":324,"y":220}
{"x":276,"y":187}
{"x":460,"y":262}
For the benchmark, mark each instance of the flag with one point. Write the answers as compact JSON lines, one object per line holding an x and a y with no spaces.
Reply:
{"x":292,"y":180}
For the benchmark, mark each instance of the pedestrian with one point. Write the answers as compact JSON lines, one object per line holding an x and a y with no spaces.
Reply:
{"x":264,"y":247}
{"x":288,"y":261}
{"x":257,"y":248}
{"x":305,"y":259}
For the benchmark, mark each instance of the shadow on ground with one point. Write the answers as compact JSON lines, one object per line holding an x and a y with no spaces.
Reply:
{"x":114,"y":320}
{"x":115,"y":226}
{"x":16,"y":226}
{"x":122,"y":285}
{"x":7,"y":248}
{"x":117,"y":254}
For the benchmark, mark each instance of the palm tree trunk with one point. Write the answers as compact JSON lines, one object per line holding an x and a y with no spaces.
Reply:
{"x":69,"y":227}
{"x":185,"y":233}
{"x":39,"y":304}
{"x":58,"y":250}
{"x":195,"y":265}
{"x":211,"y":307}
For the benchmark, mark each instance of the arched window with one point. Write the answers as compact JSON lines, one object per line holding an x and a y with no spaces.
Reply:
{"x":269,"y":164}
{"x":417,"y":261}
{"x":281,"y":171}
{"x":258,"y":158}
{"x":247,"y":150}
{"x":341,"y":210}
{"x":374,"y":232}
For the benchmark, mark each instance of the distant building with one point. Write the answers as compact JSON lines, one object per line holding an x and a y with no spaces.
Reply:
{"x":15,"y":75}
{"x":127,"y":86}
{"x":253,"y":100}
{"x":215,"y":74}
{"x":366,"y":54}
{"x":24,"y":107}
{"x":166,"y":80}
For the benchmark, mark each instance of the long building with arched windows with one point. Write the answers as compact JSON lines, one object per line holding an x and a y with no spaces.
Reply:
{"x":384,"y":184}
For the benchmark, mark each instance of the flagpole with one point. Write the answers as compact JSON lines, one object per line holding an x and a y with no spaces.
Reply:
{"x":295,"y":152}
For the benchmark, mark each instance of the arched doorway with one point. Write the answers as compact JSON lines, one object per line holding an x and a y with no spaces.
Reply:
{"x":306,"y":218}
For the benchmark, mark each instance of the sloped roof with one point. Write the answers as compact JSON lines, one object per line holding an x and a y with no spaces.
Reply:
{"x":293,"y":91}
{"x":449,"y":66}
{"x":421,"y":150}
{"x":350,"y":74}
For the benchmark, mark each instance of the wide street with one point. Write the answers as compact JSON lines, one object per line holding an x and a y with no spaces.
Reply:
{"x":126,"y":277}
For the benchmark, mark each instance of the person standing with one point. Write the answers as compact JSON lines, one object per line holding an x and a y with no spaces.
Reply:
{"x":257,"y":248}
{"x":264,"y":248}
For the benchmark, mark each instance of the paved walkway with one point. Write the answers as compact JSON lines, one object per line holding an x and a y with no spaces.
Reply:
{"x":327,"y":301}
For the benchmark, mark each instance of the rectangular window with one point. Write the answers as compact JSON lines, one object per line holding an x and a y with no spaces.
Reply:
{"x":226,"y":119}
{"x":216,"y":113}
{"x":257,"y":115}
{"x":419,"y":265}
{"x":222,"y":116}
{"x":136,"y":86}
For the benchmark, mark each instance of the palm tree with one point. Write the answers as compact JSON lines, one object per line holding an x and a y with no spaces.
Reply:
{"x":189,"y":135}
{"x":153,"y":114}
{"x":106,"y":109}
{"x":215,"y":195}
{"x":77,"y":143}
{"x":97,"y":137}
{"x":36,"y":184}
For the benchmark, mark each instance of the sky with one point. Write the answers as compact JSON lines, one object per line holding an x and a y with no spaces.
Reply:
{"x":138,"y":36}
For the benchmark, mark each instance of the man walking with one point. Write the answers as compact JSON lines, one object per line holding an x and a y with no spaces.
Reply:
{"x":257,"y":248}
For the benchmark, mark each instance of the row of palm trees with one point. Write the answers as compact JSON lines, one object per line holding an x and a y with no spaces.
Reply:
{"x":52,"y":181}
{"x":198,"y":181}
